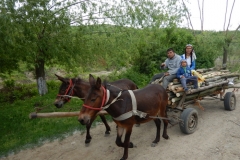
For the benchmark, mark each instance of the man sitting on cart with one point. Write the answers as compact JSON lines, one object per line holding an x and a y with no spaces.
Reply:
{"x":173,"y":64}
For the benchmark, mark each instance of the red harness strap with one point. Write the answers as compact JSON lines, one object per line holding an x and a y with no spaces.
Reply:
{"x":67,"y":90}
{"x":103,"y":101}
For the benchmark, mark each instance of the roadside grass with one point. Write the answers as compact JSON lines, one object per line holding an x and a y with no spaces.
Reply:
{"x":19,"y":132}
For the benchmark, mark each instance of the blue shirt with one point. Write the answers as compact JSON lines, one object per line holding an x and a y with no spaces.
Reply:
{"x":184,"y":72}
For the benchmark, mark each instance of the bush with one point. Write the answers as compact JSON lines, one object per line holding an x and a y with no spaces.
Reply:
{"x":11,"y":92}
{"x":140,"y":79}
{"x":9,"y":83}
{"x":52,"y":85}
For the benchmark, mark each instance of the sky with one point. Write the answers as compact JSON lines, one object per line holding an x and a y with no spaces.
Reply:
{"x":214,"y":14}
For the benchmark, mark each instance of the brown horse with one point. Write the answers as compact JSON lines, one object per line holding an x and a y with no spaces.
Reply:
{"x":79,"y":87}
{"x":127,"y":108}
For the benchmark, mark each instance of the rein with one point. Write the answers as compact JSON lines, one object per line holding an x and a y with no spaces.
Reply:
{"x":69,"y":91}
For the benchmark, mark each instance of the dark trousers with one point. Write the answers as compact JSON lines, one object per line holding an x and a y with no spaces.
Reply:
{"x":192,"y":79}
{"x":165,"y":80}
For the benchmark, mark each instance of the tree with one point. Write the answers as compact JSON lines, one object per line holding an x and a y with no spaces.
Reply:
{"x":44,"y":37}
{"x":228,"y":38}
{"x":8,"y":31}
{"x":201,"y":13}
{"x":188,"y":16}
{"x":44,"y":32}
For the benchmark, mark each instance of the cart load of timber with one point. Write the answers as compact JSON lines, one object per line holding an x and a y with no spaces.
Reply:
{"x":211,"y":83}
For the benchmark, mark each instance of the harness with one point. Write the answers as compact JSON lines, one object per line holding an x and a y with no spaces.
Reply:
{"x":133,"y":112}
{"x":69,"y":91}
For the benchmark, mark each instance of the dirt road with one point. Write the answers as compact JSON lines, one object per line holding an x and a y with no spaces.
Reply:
{"x":217,"y":138}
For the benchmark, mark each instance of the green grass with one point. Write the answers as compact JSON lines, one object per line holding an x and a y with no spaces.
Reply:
{"x":18,"y":132}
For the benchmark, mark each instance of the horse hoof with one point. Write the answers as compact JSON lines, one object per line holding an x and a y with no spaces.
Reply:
{"x":154,"y":144}
{"x":87,"y":144}
{"x":166,"y":137}
{"x":130,"y":145}
{"x":87,"y":141}
{"x":137,"y":125}
{"x":107,"y":133}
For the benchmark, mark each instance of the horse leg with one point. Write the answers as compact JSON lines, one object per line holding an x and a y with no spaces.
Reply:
{"x":88,"y":136}
{"x":119,"y":136}
{"x":108,"y":129}
{"x":165,"y":122}
{"x":127,"y":144}
{"x":158,"y":125}
{"x":164,"y":135}
{"x":118,"y":141}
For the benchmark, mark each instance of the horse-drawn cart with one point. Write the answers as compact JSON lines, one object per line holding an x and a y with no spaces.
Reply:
{"x":146,"y":104}
{"x":214,"y":85}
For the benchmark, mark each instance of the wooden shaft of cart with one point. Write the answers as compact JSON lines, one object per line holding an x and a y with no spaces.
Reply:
{"x":59,"y":114}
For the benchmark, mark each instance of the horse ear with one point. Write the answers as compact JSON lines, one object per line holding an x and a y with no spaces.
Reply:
{"x":98,"y":83}
{"x":91,"y":80}
{"x":61,"y":78}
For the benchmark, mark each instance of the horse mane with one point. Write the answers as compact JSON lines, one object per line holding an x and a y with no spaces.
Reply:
{"x":106,"y":84}
{"x":80,"y":80}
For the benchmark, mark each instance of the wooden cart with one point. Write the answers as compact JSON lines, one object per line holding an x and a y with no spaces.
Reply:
{"x":215,"y":86}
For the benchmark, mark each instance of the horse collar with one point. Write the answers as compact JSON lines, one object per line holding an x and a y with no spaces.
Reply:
{"x":107,"y":99}
{"x":106,"y":95}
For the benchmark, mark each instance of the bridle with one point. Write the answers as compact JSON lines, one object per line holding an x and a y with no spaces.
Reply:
{"x":106,"y":95}
{"x":103,"y":101}
{"x":69,"y":91}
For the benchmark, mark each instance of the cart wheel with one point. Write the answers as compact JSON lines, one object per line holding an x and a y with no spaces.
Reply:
{"x":189,"y":119}
{"x":229,"y":101}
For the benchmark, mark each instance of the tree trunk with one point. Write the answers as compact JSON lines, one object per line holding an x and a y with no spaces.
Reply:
{"x":228,"y":40}
{"x":40,"y":77}
{"x":225,"y":53}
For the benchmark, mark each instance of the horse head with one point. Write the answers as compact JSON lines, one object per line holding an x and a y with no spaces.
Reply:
{"x":93,"y":101}
{"x":65,"y":91}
